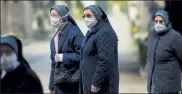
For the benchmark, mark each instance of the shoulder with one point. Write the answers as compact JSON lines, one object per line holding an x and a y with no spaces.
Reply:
{"x":174,"y":32}
{"x":106,"y":27}
{"x":75,"y":31}
{"x":32,"y":77}
{"x":108,"y":31}
{"x":152,"y":33}
{"x":107,"y":34}
{"x":32,"y":82}
{"x":175,"y":36}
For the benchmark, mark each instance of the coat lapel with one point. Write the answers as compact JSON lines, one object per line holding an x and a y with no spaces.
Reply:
{"x":93,"y":31}
{"x":62,"y":37}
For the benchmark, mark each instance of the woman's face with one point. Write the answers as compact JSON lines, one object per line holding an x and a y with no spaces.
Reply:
{"x":87,"y":13}
{"x":5,"y":51}
{"x":8,"y":58}
{"x":159,"y":20}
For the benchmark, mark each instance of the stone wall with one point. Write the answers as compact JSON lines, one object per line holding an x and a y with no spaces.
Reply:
{"x":13,"y":18}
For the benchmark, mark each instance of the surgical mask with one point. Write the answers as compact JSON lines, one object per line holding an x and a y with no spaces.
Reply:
{"x":55,"y":22}
{"x":159,"y":27}
{"x":90,"y":22}
{"x":9,"y":63}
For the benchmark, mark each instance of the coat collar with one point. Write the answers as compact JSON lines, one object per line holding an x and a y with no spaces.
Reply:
{"x":64,"y":31}
{"x":96,"y":27}
{"x":163,"y":32}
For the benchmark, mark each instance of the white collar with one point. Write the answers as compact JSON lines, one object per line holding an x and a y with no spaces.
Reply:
{"x":3,"y":74}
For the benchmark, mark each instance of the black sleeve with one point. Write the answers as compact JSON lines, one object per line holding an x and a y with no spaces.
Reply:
{"x":105,"y":48}
{"x":68,"y":58}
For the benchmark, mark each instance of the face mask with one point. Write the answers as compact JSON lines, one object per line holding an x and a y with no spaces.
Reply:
{"x":9,"y":63}
{"x":90,"y":22}
{"x":55,"y":22}
{"x":159,"y":27}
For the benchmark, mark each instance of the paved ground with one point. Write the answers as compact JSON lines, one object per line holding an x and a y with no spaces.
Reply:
{"x":38,"y":55}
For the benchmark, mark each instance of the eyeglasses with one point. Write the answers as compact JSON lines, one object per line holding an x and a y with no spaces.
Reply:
{"x":160,"y":21}
{"x":86,"y":15}
{"x":5,"y":51}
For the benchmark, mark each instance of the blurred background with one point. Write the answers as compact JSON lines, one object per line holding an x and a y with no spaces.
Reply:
{"x":131,"y":20}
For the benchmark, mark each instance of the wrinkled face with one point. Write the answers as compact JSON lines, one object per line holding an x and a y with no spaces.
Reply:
{"x":159,"y":20}
{"x":88,"y":13}
{"x":6,"y":51}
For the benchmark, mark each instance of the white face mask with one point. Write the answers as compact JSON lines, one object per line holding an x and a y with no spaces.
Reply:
{"x":90,"y":22}
{"x":55,"y":22}
{"x":9,"y":63}
{"x":159,"y":27}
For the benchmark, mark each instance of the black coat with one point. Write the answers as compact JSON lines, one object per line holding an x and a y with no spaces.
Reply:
{"x":70,"y":39}
{"x":165,"y":58}
{"x":99,"y":59}
{"x":21,"y":80}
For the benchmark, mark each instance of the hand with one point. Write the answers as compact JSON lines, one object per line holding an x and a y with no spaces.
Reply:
{"x":58,"y":57}
{"x":95,"y":89}
{"x":51,"y":92}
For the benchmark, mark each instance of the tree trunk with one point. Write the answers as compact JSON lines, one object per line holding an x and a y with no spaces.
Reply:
{"x":28,"y":18}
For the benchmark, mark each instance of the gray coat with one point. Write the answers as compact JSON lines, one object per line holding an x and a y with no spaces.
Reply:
{"x":99,"y":59}
{"x":165,"y":58}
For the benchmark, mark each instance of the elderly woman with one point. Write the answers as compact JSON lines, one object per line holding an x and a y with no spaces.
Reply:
{"x":99,"y":54}
{"x":165,"y":56}
{"x":16,"y":74}
{"x":65,"y":47}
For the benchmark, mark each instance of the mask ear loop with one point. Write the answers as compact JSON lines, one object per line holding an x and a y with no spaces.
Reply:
{"x":64,"y":16}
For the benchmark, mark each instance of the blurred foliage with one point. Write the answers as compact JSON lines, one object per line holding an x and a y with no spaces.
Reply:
{"x":80,"y":9}
{"x":123,"y":5}
{"x":134,"y":30}
{"x":77,"y":13}
{"x":20,"y":35}
{"x":40,"y":19}
{"x":68,"y":3}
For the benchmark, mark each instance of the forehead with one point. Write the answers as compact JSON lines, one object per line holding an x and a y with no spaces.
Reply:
{"x":158,"y":18}
{"x":88,"y":11}
{"x":4,"y":46}
{"x":54,"y":12}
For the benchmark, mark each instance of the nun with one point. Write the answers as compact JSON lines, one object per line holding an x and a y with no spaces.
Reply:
{"x":99,"y":54}
{"x":16,"y":74}
{"x":65,"y":48}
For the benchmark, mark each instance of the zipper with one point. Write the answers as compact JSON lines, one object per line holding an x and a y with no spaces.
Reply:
{"x":154,"y":60}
